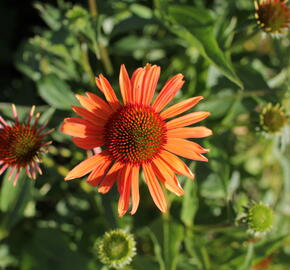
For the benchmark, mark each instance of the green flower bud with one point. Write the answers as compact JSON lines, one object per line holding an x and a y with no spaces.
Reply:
{"x":259,"y":218}
{"x":273,"y":118}
{"x":116,"y":248}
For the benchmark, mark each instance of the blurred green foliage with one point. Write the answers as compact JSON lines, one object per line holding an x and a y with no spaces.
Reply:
{"x":227,"y":59}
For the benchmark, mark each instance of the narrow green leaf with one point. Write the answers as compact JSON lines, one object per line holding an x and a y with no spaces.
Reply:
{"x":13,"y":199}
{"x":189,"y":203}
{"x":249,"y":258}
{"x":50,"y":249}
{"x":196,"y":26}
{"x":141,"y":11}
{"x":50,"y":15}
{"x":173,"y":235}
{"x":167,"y":237}
{"x":56,"y":92}
{"x":157,"y":250}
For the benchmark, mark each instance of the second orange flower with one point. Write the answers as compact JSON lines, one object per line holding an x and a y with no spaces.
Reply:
{"x":136,"y":134}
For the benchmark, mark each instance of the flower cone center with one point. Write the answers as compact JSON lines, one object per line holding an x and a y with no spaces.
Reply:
{"x":135,"y":134}
{"x":273,"y":16}
{"x":18,"y":145}
{"x":117,"y":248}
{"x":261,"y":218}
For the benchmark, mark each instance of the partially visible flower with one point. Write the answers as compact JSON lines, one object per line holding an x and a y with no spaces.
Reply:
{"x":259,"y":218}
{"x":116,"y":248}
{"x":273,"y":16}
{"x":138,"y":133}
{"x":273,"y":119}
{"x":21,"y":144}
{"x":263,"y":264}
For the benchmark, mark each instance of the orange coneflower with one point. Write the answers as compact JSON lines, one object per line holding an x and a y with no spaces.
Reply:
{"x":20,"y":145}
{"x":135,"y":134}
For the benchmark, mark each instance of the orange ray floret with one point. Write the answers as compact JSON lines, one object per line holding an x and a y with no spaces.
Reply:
{"x":135,"y":136}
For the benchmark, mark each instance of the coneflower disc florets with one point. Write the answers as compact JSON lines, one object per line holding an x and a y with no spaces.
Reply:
{"x":20,"y":145}
{"x":272,"y":118}
{"x":135,"y":133}
{"x":272,"y":15}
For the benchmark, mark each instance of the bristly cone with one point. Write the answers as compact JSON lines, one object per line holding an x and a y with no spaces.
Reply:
{"x":273,"y":118}
{"x":116,"y":248}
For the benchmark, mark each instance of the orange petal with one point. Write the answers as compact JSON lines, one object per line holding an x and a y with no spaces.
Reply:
{"x":186,"y":149}
{"x":110,"y":178}
{"x":149,"y":83}
{"x":133,"y":78}
{"x":187,"y":120}
{"x":135,"y":188}
{"x":109,"y":92}
{"x":137,"y":91}
{"x":189,"y":132}
{"x":86,"y":166}
{"x":88,"y":142}
{"x":79,"y":127}
{"x":176,"y":164}
{"x":91,"y":106}
{"x":168,"y":92}
{"x":125,"y":85}
{"x":99,"y":172}
{"x":180,"y":107}
{"x":167,"y":176}
{"x":124,"y":180}
{"x":154,"y":187}
{"x":92,"y":117}
{"x":100,"y":103}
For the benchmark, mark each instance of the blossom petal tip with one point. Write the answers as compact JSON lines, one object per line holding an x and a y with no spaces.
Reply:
{"x":163,"y":210}
{"x":68,"y":177}
{"x":121,"y":214}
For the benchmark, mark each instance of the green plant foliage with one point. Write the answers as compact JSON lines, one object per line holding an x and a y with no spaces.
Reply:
{"x":242,"y":73}
{"x":196,"y":26}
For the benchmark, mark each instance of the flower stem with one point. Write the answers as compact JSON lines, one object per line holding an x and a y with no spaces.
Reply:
{"x":93,"y":7}
{"x":105,"y":58}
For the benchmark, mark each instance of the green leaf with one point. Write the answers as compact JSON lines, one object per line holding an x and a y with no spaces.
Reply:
{"x":13,"y":199}
{"x":189,"y":203}
{"x":249,"y":258}
{"x":141,"y":11}
{"x":252,"y":78}
{"x":267,"y":247}
{"x":157,"y":249}
{"x":145,"y":262}
{"x":49,"y":249}
{"x":196,"y":26}
{"x":51,"y":15}
{"x":56,"y":92}
{"x":169,"y":236}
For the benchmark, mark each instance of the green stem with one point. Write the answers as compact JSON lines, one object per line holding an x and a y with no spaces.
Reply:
{"x":85,"y":61}
{"x":93,"y":7}
{"x":104,"y":55}
{"x":106,"y":59}
{"x":166,"y":236}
